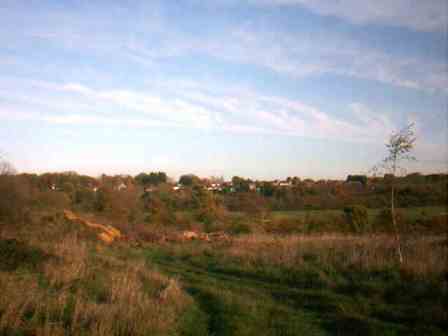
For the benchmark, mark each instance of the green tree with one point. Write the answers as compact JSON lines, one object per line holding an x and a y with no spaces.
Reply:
{"x":357,"y":178}
{"x":241,"y":184}
{"x":153,"y":178}
{"x":189,"y":180}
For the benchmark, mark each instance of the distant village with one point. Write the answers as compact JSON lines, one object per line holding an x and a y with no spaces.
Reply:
{"x":150,"y":182}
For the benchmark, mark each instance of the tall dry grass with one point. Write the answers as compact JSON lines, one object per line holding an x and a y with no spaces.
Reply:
{"x":85,"y":288}
{"x":423,"y":255}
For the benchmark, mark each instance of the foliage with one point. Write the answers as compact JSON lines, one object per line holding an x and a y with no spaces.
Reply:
{"x":357,"y":178}
{"x":14,"y":200}
{"x":158,"y":211}
{"x":14,"y":254}
{"x":240,"y":184}
{"x":208,"y":208}
{"x":151,"y":179}
{"x":189,"y":180}
{"x":357,"y":218}
{"x":383,"y":222}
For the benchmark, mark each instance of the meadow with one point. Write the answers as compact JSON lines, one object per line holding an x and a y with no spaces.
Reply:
{"x":58,"y":279}
{"x":409,"y":214}
{"x":75,"y":260}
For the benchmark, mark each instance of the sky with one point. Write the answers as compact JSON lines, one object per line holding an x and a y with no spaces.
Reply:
{"x":257,"y":88}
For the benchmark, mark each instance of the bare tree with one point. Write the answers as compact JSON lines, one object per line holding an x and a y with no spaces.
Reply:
{"x":399,"y":147}
{"x":6,"y":168}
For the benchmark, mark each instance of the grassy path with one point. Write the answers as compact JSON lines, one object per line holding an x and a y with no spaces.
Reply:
{"x":233,"y":299}
{"x":235,"y":303}
{"x":240,"y":304}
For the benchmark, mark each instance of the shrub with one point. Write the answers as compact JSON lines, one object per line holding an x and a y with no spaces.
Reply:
{"x":184,"y":220}
{"x":14,"y":254}
{"x":383,"y":221}
{"x":13,"y":200}
{"x":357,"y":218}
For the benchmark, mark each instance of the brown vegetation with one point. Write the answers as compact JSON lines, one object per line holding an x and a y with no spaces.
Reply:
{"x":425,"y":255}
{"x":80,"y":290}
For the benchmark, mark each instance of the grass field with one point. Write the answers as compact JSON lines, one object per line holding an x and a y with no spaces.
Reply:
{"x":56,"y":278}
{"x":322,"y":285}
{"x":408,"y":213}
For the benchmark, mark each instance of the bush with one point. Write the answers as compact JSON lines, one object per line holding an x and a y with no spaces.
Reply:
{"x":13,"y":200}
{"x":53,"y":200}
{"x":357,"y":218}
{"x":14,"y":254}
{"x":383,"y":221}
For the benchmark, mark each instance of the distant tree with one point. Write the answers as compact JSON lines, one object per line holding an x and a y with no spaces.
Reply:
{"x":295,"y":180}
{"x":357,"y":178}
{"x":153,"y":178}
{"x":240,"y":184}
{"x":216,"y":179}
{"x":267,"y":189}
{"x":14,"y":195}
{"x":189,"y":180}
{"x":399,"y":147}
{"x":6,"y":168}
{"x":415,"y":178}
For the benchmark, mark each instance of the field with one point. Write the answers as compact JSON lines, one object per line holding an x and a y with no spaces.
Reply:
{"x":254,"y":284}
{"x":409,"y":214}
{"x":320,"y":285}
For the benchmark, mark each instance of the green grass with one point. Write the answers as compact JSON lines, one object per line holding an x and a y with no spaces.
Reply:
{"x":313,"y":299}
{"x":328,"y":288}
{"x":408,"y":213}
{"x":236,"y":304}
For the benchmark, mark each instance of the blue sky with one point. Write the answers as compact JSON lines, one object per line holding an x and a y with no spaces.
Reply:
{"x":259,"y":88}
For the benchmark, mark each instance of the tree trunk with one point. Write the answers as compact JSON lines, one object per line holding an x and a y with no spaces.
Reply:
{"x":394,"y":223}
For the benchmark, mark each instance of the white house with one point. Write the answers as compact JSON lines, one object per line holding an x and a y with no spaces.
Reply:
{"x":121,"y":186}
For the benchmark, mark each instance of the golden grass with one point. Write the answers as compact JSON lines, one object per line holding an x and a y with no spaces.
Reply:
{"x":84,"y":291}
{"x":423,"y":255}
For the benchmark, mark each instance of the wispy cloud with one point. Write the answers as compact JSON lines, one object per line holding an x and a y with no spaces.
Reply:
{"x":246,"y":112}
{"x":428,"y":15}
{"x":302,"y":55}
{"x":262,"y":67}
{"x":153,"y":39}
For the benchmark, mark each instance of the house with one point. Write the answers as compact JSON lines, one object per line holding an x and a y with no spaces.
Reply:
{"x":214,"y":187}
{"x":285,"y":184}
{"x":121,"y":186}
{"x":177,"y":187}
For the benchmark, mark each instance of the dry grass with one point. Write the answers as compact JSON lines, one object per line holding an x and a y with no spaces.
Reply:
{"x":424,"y":255}
{"x":81,"y":290}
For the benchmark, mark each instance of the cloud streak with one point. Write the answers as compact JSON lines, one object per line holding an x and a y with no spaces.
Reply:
{"x":296,"y":55}
{"x":427,"y":16}
{"x":246,"y":112}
